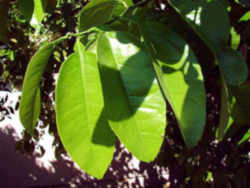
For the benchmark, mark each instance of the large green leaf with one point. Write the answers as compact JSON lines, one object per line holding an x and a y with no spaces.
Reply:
{"x":30,"y":101}
{"x":26,"y":8}
{"x":135,"y":106}
{"x":233,"y":66}
{"x":181,"y":80}
{"x":81,"y":121}
{"x":96,"y":12}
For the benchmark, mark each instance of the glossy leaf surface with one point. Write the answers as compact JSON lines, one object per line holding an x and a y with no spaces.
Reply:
{"x":30,"y":101}
{"x":181,"y":82}
{"x":233,"y":66}
{"x":135,"y":106}
{"x":81,"y":121}
{"x":96,"y":12}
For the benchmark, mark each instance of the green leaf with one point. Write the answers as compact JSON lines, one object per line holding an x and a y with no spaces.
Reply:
{"x":239,"y":108}
{"x":212,"y":25}
{"x":210,"y":18}
{"x":81,"y":121}
{"x":168,"y":47}
{"x":26,"y":8}
{"x":233,"y":66}
{"x":235,"y":39}
{"x":136,"y":108}
{"x":181,"y":81}
{"x":246,"y":137}
{"x":245,"y":17}
{"x":127,"y":3}
{"x":224,"y":110}
{"x":4,"y":8}
{"x":39,"y":12}
{"x":96,"y":12}
{"x":30,"y":100}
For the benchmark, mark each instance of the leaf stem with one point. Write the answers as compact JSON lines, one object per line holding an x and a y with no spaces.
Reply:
{"x":69,"y":35}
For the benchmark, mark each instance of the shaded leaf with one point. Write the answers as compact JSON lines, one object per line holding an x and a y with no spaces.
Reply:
{"x":136,"y":108}
{"x":239,"y":109}
{"x":181,"y":83}
{"x":26,"y":8}
{"x":224,"y":110}
{"x":233,"y":66}
{"x":81,"y":121}
{"x":96,"y":12}
{"x":209,"y":17}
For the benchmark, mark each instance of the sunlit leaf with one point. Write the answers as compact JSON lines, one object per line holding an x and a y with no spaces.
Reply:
{"x":239,"y":109}
{"x":135,"y":106}
{"x":30,"y":101}
{"x":39,"y":12}
{"x":81,"y":120}
{"x":245,"y":17}
{"x":246,"y":137}
{"x":235,"y":39}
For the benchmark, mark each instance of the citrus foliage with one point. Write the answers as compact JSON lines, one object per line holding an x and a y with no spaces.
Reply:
{"x":129,"y":60}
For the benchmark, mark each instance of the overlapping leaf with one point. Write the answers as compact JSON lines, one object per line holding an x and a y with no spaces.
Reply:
{"x":211,"y":22}
{"x":180,"y":78}
{"x":81,"y":121}
{"x":135,"y":106}
{"x":96,"y":12}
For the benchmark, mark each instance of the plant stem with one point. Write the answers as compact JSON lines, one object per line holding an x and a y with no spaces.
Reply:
{"x":69,"y":35}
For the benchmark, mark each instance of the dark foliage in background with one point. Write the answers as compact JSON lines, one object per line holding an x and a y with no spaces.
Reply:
{"x":228,"y":162}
